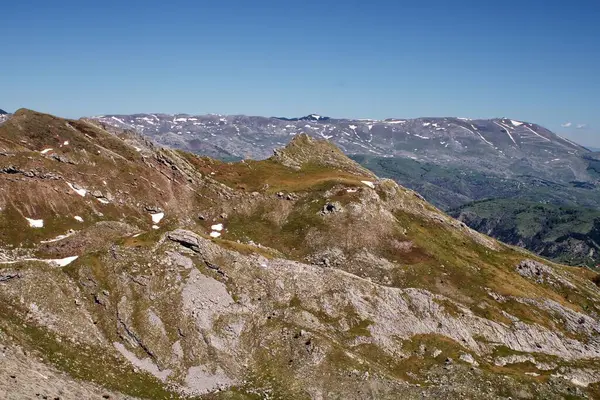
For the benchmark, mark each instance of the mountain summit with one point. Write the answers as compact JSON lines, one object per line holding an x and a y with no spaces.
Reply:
{"x":127,"y":269}
{"x":2,"y":112}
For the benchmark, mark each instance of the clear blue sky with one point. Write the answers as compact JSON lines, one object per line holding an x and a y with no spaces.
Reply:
{"x":531,"y":60}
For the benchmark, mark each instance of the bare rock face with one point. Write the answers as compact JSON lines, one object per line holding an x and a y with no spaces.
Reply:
{"x":533,"y":270}
{"x":541,"y":273}
{"x":185,"y":238}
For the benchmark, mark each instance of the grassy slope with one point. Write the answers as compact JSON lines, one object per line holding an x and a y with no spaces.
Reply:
{"x":567,"y":211}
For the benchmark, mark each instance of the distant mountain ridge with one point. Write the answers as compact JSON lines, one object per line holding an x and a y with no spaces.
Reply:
{"x":503,"y":146}
{"x":2,"y":112}
{"x":310,"y":117}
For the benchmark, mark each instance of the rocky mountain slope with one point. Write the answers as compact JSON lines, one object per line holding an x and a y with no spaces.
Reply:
{"x":450,"y":161}
{"x":3,"y":116}
{"x":132,"y":271}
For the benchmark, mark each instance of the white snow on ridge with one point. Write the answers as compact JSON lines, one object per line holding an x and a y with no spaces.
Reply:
{"x":568,"y":141}
{"x":507,"y":132}
{"x":59,"y":262}
{"x":369,"y":184}
{"x":545,"y":138}
{"x":516,"y":123}
{"x":119,"y":120}
{"x":157,"y":217}
{"x":58,"y":238}
{"x":35,"y":223}
{"x":63,"y":262}
{"x":80,"y":192}
{"x":482,"y":138}
{"x":395,"y":122}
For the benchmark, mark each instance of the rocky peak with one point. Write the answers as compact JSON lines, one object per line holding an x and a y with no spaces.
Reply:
{"x":305,"y":150}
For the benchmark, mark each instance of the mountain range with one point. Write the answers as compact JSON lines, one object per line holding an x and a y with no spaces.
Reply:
{"x":450,"y":161}
{"x":130,"y":270}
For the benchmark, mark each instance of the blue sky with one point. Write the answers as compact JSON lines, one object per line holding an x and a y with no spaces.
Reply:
{"x":537,"y":61}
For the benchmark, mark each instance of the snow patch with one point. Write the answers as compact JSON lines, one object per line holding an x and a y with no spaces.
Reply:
{"x":217,"y":227}
{"x":78,"y":218}
{"x":59,"y":262}
{"x":369,"y":184}
{"x":157,"y":217}
{"x":119,"y":120}
{"x":215,"y":234}
{"x":506,"y":130}
{"x":35,"y":223}
{"x":45,"y":151}
{"x":468,"y":130}
{"x":79,"y":191}
{"x":63,"y":262}
{"x":58,"y":238}
{"x":516,"y":123}
{"x":537,"y":134}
